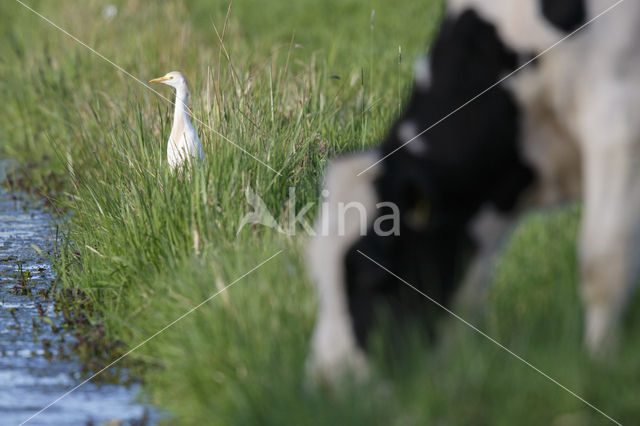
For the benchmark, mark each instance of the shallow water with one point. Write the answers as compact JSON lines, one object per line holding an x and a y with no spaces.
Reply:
{"x":28,"y":381}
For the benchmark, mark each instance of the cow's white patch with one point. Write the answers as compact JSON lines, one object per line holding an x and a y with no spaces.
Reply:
{"x":407,"y":133}
{"x":488,"y":226}
{"x":519,"y":23}
{"x":422,"y":72}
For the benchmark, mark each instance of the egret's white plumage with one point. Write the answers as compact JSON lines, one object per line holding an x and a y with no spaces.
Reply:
{"x":184,"y":143}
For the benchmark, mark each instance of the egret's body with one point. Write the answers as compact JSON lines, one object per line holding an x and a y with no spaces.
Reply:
{"x":184,"y":144}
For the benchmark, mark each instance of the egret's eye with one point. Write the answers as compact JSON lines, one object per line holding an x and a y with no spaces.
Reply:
{"x":171,"y":78}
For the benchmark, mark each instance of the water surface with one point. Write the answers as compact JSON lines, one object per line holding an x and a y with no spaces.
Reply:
{"x":28,"y":381}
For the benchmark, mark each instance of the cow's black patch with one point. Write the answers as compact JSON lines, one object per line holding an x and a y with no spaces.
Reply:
{"x":472,"y":159}
{"x":566,"y":15}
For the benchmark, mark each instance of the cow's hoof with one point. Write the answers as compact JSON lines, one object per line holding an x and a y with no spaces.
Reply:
{"x":334,"y":371}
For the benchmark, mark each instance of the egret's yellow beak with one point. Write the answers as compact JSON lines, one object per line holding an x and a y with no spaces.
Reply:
{"x":159,"y":79}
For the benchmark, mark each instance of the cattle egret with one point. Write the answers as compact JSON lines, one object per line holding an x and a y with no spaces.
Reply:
{"x":184,"y":143}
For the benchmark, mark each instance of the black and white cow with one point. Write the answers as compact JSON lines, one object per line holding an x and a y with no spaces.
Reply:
{"x":565,"y":127}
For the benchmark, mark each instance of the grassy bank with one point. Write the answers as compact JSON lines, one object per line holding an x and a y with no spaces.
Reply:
{"x":297,"y":83}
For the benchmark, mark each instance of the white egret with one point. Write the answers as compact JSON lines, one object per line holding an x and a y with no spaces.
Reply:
{"x":184,"y":143}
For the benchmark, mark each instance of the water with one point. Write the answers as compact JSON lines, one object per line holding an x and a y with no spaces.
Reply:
{"x":28,"y":381}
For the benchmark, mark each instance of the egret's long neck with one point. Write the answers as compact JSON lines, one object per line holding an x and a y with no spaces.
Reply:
{"x":182,"y":99}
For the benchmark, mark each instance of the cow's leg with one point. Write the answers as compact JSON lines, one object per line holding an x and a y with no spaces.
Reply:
{"x":609,"y":246}
{"x":488,"y":229}
{"x":334,"y":349}
{"x":550,"y":152}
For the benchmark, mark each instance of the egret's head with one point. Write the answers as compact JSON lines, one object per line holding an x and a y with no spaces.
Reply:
{"x":174,"y":79}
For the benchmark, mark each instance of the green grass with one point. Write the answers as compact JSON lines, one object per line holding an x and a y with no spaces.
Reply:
{"x":147,"y":246}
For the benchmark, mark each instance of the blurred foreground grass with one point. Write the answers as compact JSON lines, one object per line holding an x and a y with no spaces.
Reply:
{"x":297,"y":83}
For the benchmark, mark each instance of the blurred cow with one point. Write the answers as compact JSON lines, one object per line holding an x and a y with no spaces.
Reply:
{"x":565,"y":127}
